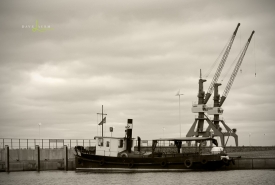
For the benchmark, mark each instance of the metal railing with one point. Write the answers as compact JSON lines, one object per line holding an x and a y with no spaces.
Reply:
{"x":44,"y":143}
{"x":150,"y":142}
{"x":15,"y":143}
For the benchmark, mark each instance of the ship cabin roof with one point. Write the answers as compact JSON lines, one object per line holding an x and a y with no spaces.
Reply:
{"x":110,"y":137}
{"x":180,"y":139}
{"x":186,"y":139}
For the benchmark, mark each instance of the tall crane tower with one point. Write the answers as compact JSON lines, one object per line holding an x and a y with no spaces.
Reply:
{"x":218,"y":102}
{"x":201,"y":107}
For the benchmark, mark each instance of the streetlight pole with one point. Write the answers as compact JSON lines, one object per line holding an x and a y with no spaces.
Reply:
{"x":39,"y":124}
{"x":264,"y":137}
{"x":163,"y":135}
{"x":178,"y":94}
{"x":249,"y":139}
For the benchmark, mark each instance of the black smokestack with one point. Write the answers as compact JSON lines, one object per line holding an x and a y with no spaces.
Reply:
{"x":129,"y":135}
{"x":139,"y":143}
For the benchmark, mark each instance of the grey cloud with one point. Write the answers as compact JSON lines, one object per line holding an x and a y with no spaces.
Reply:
{"x":132,"y":57}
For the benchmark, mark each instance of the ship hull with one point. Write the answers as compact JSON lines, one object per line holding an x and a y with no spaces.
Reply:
{"x":95,"y":163}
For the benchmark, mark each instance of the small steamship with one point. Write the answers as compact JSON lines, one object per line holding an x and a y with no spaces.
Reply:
{"x":116,"y":154}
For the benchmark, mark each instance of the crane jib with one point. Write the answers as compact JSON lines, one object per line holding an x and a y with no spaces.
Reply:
{"x":221,"y":65}
{"x":235,"y":71}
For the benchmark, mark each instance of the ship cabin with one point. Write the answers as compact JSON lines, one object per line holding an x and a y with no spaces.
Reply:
{"x":112,"y":146}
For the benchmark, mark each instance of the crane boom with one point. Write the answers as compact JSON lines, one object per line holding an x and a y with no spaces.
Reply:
{"x":235,"y":71}
{"x":220,"y":67}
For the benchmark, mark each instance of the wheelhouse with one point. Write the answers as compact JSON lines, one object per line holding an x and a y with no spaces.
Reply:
{"x":111,"y":146}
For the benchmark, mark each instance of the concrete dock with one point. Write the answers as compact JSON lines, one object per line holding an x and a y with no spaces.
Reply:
{"x":252,"y":163}
{"x":36,"y":159}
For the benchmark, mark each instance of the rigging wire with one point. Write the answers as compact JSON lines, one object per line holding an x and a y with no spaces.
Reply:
{"x":240,"y":39}
{"x":212,"y":67}
{"x":234,"y":62}
{"x":228,"y":137}
{"x":240,"y":45}
{"x":255,"y":56}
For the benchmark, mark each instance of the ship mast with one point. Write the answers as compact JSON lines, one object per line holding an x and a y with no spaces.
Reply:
{"x":103,"y":120}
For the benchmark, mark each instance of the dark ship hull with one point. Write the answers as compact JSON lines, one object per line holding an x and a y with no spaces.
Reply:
{"x":174,"y":162}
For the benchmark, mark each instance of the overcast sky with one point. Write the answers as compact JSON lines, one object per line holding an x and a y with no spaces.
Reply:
{"x":132,"y":57}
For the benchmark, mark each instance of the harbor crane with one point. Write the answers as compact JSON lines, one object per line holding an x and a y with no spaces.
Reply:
{"x":201,"y":106}
{"x":218,"y":102}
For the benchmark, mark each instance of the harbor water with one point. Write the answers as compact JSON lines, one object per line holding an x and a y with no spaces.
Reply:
{"x":79,"y":178}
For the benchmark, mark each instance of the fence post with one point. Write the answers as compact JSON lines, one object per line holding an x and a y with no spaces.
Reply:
{"x":65,"y":150}
{"x":37,"y":148}
{"x":252,"y":164}
{"x":19,"y":144}
{"x":7,"y":162}
{"x":27,"y":144}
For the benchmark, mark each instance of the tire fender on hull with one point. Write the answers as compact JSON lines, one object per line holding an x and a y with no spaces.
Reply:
{"x":124,"y":155}
{"x":131,"y":164}
{"x":102,"y":162}
{"x":204,"y":161}
{"x":163,"y":163}
{"x":188,"y":163}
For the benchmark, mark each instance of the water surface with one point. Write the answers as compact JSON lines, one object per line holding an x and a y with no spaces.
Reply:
{"x":160,"y":178}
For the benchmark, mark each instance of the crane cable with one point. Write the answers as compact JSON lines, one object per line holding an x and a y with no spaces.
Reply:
{"x":212,"y":67}
{"x":241,"y":46}
{"x":255,"y":56}
{"x":238,"y":57}
{"x":234,"y":61}
{"x":227,"y":138}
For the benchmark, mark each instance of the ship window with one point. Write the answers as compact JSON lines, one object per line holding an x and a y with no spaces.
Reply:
{"x":120,"y":144}
{"x":100,"y":142}
{"x":107,"y":143}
